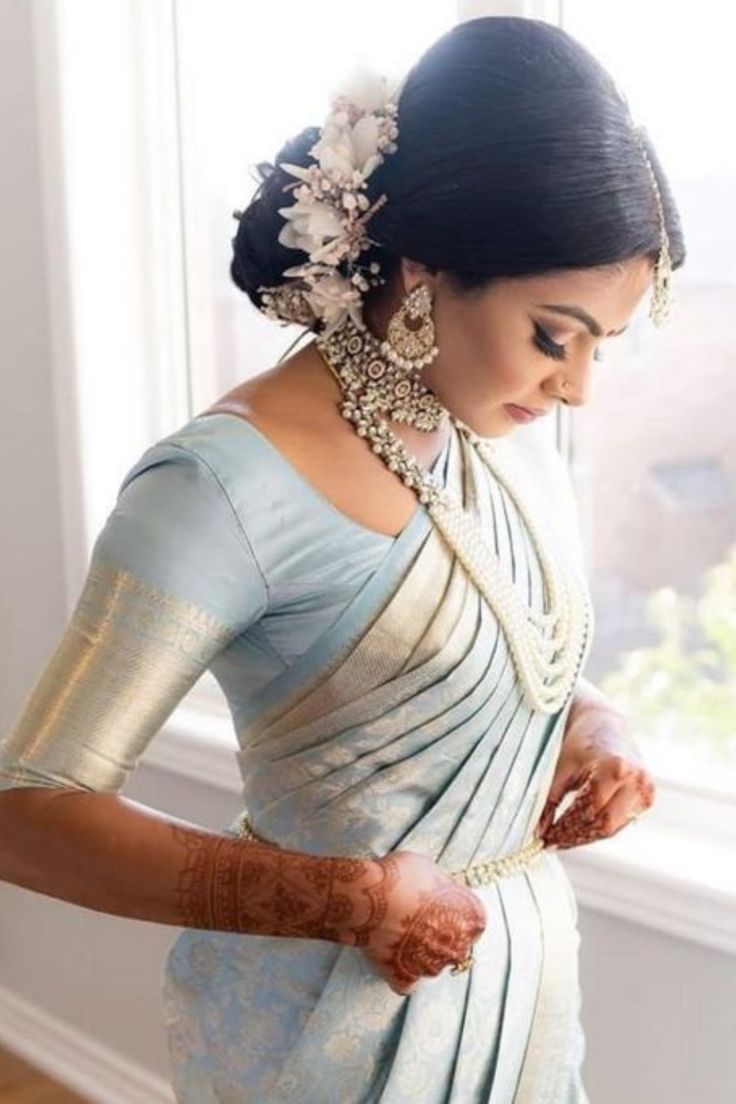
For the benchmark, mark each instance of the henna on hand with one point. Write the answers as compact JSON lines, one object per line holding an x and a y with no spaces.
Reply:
{"x":602,"y":805}
{"x":410,"y":917}
{"x":439,"y":934}
{"x":601,"y":764}
{"x":227,"y":884}
{"x":430,"y":922}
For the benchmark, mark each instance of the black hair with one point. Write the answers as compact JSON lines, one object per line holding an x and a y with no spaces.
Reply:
{"x":516,"y":156}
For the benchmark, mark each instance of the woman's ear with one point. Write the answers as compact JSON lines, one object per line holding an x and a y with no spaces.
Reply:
{"x":413,"y":273}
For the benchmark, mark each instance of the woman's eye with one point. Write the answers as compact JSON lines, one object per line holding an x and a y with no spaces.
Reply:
{"x":549,"y":347}
{"x":552,"y":349}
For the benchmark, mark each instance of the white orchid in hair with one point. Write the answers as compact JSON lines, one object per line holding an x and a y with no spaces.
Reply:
{"x":327,"y":220}
{"x":333,"y":298}
{"x":310,"y":223}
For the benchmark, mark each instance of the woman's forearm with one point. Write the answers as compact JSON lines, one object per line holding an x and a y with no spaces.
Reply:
{"x":110,"y":854}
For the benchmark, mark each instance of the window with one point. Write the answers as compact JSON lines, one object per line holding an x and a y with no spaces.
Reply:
{"x":246,"y":86}
{"x":654,"y":452}
{"x":182,"y":105}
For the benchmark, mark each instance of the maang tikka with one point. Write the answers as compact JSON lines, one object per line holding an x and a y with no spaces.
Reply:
{"x":329,"y":220}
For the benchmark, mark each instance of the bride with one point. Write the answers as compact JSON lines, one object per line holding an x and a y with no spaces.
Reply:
{"x":379,"y":559}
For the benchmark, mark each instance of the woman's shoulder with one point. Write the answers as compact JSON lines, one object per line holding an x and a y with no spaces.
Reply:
{"x":242,"y":448}
{"x":239,"y":435}
{"x":226,"y":442}
{"x":222,"y":440}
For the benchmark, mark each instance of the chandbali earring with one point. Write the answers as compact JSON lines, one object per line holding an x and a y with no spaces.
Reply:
{"x":407,"y":348}
{"x":381,"y":376}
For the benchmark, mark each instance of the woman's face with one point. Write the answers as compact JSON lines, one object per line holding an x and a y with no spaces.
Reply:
{"x":492,"y":343}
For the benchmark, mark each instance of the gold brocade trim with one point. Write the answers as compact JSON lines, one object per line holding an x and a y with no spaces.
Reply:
{"x":129,"y":654}
{"x":150,"y":611}
{"x":475,"y":874}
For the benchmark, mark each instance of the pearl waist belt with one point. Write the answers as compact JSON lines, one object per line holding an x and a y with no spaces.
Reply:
{"x":475,"y":874}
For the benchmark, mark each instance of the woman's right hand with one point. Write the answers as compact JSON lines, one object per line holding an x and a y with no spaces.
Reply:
{"x":425,"y":920}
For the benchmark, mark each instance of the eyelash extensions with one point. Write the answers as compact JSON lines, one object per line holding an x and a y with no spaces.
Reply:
{"x":550,"y":348}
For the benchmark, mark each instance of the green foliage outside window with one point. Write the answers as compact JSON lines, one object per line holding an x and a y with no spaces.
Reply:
{"x":681,"y":691}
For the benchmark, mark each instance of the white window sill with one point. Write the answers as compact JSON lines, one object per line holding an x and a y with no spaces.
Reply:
{"x":673,"y":871}
{"x":673,"y":880}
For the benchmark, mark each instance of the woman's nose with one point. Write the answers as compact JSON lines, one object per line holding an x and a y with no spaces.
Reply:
{"x":571,"y":385}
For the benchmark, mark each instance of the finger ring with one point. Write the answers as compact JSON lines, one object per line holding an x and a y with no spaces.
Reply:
{"x":463,"y":965}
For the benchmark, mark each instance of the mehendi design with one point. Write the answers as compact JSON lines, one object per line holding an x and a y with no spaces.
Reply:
{"x":600,"y":761}
{"x":242,"y":885}
{"x":254,"y":887}
{"x":589,"y":819}
{"x":377,"y":899}
{"x":430,"y":922}
{"x":229,"y":884}
{"x":579,"y":824}
{"x":440,"y":933}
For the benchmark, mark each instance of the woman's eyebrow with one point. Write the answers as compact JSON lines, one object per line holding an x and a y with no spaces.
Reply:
{"x":577,"y":312}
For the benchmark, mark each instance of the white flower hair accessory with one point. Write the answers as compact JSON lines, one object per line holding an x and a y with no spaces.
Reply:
{"x":331,"y":211}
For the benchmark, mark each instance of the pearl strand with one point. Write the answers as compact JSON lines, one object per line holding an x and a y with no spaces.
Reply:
{"x":545,"y":647}
{"x":474,"y":874}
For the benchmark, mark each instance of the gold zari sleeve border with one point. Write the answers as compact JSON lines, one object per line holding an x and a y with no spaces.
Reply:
{"x":129,"y":654}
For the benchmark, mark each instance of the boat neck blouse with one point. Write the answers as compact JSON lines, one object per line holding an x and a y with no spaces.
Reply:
{"x":298,"y":559}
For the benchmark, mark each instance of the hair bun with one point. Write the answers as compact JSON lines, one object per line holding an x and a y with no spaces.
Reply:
{"x":259,"y":258}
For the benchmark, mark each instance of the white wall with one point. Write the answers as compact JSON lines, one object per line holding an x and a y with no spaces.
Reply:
{"x":658,"y":1011}
{"x":659,"y":1016}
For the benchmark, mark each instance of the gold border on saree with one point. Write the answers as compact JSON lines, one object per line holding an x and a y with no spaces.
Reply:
{"x":474,"y":874}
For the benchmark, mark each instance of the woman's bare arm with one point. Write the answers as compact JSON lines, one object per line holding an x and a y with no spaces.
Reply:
{"x":110,"y":854}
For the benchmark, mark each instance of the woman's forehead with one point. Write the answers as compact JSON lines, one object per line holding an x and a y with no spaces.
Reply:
{"x":602,"y":301}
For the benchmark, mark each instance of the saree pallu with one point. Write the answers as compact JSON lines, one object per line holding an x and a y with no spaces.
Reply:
{"x":402,"y":726}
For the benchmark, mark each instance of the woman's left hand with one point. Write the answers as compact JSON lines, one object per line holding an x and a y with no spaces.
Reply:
{"x":600,"y":760}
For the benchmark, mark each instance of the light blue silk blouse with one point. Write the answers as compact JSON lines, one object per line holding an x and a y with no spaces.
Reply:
{"x":300,"y":559}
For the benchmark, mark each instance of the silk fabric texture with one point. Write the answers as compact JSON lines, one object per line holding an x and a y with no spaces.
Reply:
{"x":375,"y":707}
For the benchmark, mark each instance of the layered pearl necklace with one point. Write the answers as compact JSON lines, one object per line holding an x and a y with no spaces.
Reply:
{"x":545,"y":647}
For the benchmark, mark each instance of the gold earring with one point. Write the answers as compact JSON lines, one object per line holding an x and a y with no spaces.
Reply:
{"x":412,"y":349}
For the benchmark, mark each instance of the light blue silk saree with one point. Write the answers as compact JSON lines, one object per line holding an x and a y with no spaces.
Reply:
{"x":395,"y":720}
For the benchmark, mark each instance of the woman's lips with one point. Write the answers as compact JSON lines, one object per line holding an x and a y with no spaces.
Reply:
{"x":520,"y":413}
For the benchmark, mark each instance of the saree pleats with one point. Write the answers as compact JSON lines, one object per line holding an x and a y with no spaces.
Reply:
{"x":403,"y":727}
